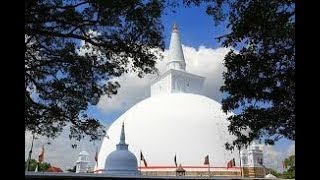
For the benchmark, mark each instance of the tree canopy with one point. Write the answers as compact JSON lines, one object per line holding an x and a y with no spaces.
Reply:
{"x":260,"y":78}
{"x":290,"y":165}
{"x":72,"y":49}
{"x":73,"y":169}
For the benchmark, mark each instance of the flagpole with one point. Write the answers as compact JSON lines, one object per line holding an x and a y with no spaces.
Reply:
{"x":240,"y":161}
{"x":30,"y":152}
{"x":140,"y":163}
{"x":209,"y":169}
{"x":97,"y":153}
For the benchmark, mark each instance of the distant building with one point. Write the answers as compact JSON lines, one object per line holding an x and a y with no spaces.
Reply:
{"x":54,"y":169}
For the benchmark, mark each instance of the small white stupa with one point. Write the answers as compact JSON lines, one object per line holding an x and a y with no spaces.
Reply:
{"x":252,"y":160}
{"x":270,"y":176}
{"x":82,"y":162}
{"x":121,"y":161}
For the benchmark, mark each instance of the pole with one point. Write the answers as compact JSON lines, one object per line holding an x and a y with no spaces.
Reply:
{"x":30,"y":152}
{"x":240,"y":161}
{"x":209,"y":170}
{"x":140,"y":163}
{"x":96,"y":156}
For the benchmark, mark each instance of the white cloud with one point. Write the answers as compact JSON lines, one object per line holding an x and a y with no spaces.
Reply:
{"x":206,"y":62}
{"x":292,"y":149}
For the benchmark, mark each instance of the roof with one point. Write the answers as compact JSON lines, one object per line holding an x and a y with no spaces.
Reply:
{"x":83,"y":153}
{"x":180,"y":169}
{"x":270,"y":176}
{"x":54,"y":169}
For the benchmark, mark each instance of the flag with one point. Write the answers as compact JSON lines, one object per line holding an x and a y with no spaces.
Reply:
{"x":175,"y":160}
{"x":41,"y":155}
{"x":96,"y":157}
{"x":233,"y":162}
{"x":143,"y":159}
{"x":206,"y":160}
{"x":229,"y":164}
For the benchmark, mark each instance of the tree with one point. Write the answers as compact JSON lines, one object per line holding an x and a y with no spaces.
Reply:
{"x":33,"y":164}
{"x":73,"y":169}
{"x":290,"y":170}
{"x":64,"y":77}
{"x":260,"y":77}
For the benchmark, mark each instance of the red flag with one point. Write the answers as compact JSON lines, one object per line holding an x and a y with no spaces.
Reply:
{"x":41,"y":155}
{"x":230,"y":163}
{"x":143,"y":159}
{"x":206,"y":160}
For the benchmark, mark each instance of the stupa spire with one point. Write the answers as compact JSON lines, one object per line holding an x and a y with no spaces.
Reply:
{"x":176,"y":57}
{"x":122,"y":144}
{"x":122,"y":135}
{"x":175,"y":27}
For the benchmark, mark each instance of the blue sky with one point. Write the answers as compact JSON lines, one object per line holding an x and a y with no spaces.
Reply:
{"x":197,"y":28}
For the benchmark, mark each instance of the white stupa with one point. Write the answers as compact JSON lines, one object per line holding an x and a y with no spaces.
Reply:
{"x":176,"y":119}
{"x":82,"y":164}
{"x":121,"y":161}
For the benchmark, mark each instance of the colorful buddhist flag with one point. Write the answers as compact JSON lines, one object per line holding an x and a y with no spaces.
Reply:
{"x":206,"y":160}
{"x":41,"y":155}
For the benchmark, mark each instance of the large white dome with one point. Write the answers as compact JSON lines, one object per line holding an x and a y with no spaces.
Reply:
{"x":188,"y":125}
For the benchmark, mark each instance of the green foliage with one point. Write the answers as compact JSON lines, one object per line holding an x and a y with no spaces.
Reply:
{"x":60,"y":82}
{"x":73,"y":169}
{"x":260,"y":77}
{"x":291,"y":170}
{"x":33,"y":164}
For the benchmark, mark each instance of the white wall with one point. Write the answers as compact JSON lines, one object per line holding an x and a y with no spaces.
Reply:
{"x":161,"y":86}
